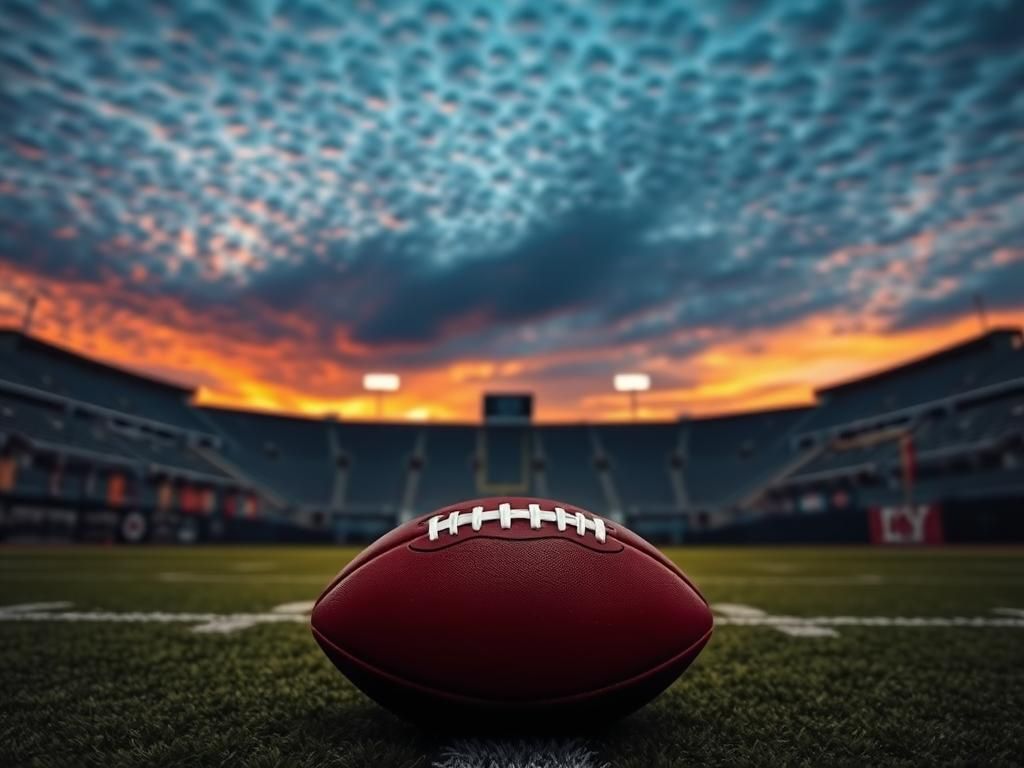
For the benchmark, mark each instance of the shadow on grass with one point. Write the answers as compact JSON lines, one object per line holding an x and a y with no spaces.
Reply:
{"x":358,"y":734}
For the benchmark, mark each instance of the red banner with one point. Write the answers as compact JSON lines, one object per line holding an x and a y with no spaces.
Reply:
{"x":207,"y":501}
{"x":239,"y":504}
{"x":908,"y":462}
{"x":165,"y":495}
{"x":8,"y":472}
{"x":918,"y":524}
{"x":189,"y":499}
{"x":115,"y":489}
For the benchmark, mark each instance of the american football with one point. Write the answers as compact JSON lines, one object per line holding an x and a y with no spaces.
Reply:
{"x":523,"y":609}
{"x":511,"y":383}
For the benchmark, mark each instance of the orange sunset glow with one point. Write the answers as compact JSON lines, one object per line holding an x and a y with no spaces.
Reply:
{"x":746,"y":201}
{"x":766,"y":369}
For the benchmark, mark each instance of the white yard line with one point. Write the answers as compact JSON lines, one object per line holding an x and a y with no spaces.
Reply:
{"x":240,"y":578}
{"x":727,"y":615}
{"x":253,"y":566}
{"x":517,"y":753}
{"x":860,"y":580}
{"x":738,"y":615}
{"x":206,"y":623}
{"x":752,"y":580}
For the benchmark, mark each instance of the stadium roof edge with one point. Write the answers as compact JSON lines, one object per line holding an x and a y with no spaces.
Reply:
{"x":270,"y":414}
{"x":758,"y":413}
{"x":963,"y":347}
{"x":411,"y":424}
{"x":23,"y":338}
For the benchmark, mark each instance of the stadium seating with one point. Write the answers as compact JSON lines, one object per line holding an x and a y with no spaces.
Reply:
{"x":992,"y":360}
{"x":377,"y":459}
{"x":640,"y":462}
{"x":50,"y":428}
{"x":289,"y":455}
{"x":505,"y":452}
{"x":569,"y":466}
{"x":47,"y":368}
{"x":729,"y":458}
{"x":72,"y":423}
{"x":447,"y":473}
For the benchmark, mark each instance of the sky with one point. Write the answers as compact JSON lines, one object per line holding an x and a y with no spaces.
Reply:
{"x":746,"y":200}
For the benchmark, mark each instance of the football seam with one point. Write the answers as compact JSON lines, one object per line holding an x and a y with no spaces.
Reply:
{"x":368,"y":668}
{"x":454,"y":542}
{"x":673,"y":569}
{"x":343,"y":575}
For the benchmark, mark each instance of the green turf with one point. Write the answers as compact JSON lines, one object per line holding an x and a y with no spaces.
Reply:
{"x":102,"y":694}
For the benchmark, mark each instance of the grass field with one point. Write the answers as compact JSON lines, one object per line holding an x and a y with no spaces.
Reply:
{"x":115,"y":657}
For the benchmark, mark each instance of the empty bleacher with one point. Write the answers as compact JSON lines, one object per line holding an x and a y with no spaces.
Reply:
{"x":729,"y":458}
{"x":505,"y":453}
{"x":448,"y":473}
{"x":43,"y":367}
{"x":569,"y":466}
{"x":992,"y":361}
{"x":91,"y":437}
{"x":963,"y":408}
{"x":967,"y":432}
{"x":289,"y":455}
{"x":376,"y":457}
{"x":640,"y":461}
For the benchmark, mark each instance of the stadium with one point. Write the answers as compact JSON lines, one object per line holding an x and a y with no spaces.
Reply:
{"x":94,"y":453}
{"x":511,"y":383}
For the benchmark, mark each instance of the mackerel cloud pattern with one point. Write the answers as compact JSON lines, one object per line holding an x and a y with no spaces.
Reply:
{"x":429,"y":175}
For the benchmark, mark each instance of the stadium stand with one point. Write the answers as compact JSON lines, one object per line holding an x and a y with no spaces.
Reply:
{"x":570,"y":467}
{"x":65,"y":430}
{"x":449,"y":467}
{"x":640,"y":461}
{"x":981,"y":440}
{"x":289,"y":455}
{"x":505,"y":455}
{"x":989,"y":364}
{"x":79,"y":437}
{"x":377,"y":458}
{"x":730,"y":458}
{"x":40,"y":367}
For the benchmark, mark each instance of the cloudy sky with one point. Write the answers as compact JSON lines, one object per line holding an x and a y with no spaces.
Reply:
{"x":746,"y":199}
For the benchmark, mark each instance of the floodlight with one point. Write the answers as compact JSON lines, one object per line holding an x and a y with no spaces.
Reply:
{"x":381,"y":382}
{"x":632,"y":382}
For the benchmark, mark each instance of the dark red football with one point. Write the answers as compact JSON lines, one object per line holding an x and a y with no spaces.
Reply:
{"x":511,"y":609}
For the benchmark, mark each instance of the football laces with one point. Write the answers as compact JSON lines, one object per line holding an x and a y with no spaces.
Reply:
{"x":505,"y":514}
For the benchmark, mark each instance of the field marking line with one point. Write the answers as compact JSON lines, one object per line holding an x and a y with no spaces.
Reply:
{"x":737,"y":615}
{"x":726,"y":614}
{"x":33,"y":607}
{"x":238,"y":578}
{"x":735,"y":612}
{"x":206,"y":623}
{"x":191,"y":577}
{"x":862,"y":580}
{"x":299,"y":606}
{"x":518,"y":753}
{"x":253,"y":566}
{"x":777,"y":568}
{"x":1016,"y":612}
{"x":172,"y":577}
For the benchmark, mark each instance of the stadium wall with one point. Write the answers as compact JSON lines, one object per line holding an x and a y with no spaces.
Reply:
{"x":998,"y":520}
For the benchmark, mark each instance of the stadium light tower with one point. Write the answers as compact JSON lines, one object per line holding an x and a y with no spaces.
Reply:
{"x":379,"y":384}
{"x":633,"y":383}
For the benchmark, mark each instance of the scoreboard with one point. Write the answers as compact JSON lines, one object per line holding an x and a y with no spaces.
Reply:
{"x":516,"y":408}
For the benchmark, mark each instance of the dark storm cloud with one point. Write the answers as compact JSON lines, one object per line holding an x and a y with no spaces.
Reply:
{"x":562,"y":268}
{"x":1000,"y":290}
{"x":499,"y":179}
